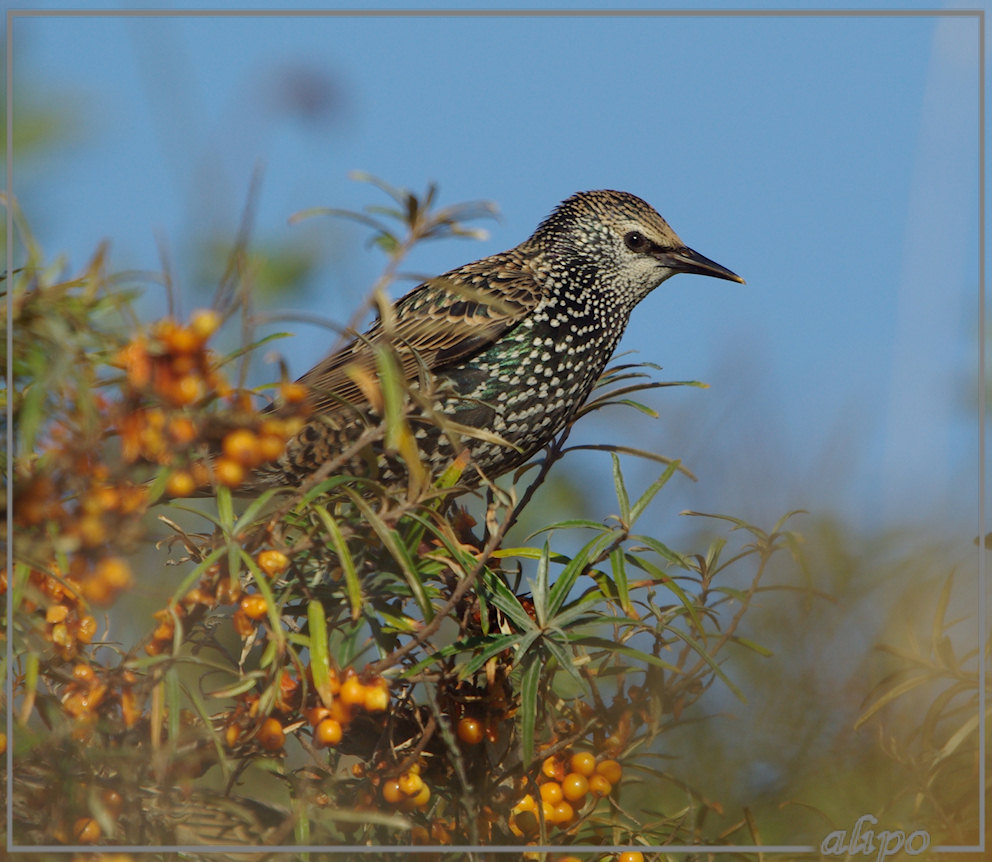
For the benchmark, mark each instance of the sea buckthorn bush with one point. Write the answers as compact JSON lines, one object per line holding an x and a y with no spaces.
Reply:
{"x":347,"y":662}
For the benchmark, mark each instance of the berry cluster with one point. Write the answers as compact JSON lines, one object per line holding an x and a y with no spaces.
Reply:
{"x":327,"y":722}
{"x":171,"y":371}
{"x":408,"y":792}
{"x":565,"y":783}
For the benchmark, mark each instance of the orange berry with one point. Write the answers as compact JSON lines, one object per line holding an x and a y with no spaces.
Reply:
{"x":243,"y":624}
{"x":228,"y":472}
{"x":377,"y":696}
{"x":56,"y":613}
{"x":114,"y":572}
{"x":328,"y":732}
{"x":563,"y":813}
{"x":470,"y":730}
{"x":241,"y":445}
{"x":340,"y":711}
{"x":179,"y":339}
{"x":91,"y":530}
{"x":182,"y":429}
{"x":86,"y":629}
{"x":575,"y":786}
{"x":417,"y":800}
{"x":185,"y":390}
{"x":83,"y":673}
{"x":204,"y":323}
{"x":273,"y":562}
{"x":97,"y":592}
{"x":352,"y":692}
{"x":551,"y":792}
{"x":599,"y":786}
{"x":154,"y":648}
{"x":231,"y":735}
{"x":631,"y":856}
{"x":60,"y":635}
{"x":610,"y":770}
{"x":528,"y":803}
{"x":270,"y":447}
{"x":181,"y":484}
{"x":552,"y":768}
{"x":254,"y":606}
{"x":316,"y":714}
{"x":112,"y":800}
{"x":391,"y":792}
{"x":165,"y":629}
{"x":549,"y":811}
{"x":411,"y":783}
{"x":86,"y":830}
{"x":270,"y":735}
{"x":583,"y":762}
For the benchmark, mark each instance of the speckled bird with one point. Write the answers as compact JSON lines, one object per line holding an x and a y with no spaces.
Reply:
{"x":514,"y":343}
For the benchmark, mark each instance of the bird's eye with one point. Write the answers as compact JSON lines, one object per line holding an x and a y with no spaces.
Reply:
{"x":636,"y":241}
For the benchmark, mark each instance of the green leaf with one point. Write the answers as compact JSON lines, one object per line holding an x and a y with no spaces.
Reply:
{"x":344,"y":557}
{"x":622,"y":498}
{"x":613,"y":647}
{"x":652,"y":490}
{"x":576,"y":567}
{"x":496,"y":645}
{"x":565,"y":659}
{"x":540,"y":590}
{"x":620,"y":578}
{"x":320,"y":659}
{"x":506,"y":601}
{"x":529,"y":684}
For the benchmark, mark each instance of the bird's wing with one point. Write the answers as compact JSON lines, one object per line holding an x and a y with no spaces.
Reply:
{"x":441,"y":322}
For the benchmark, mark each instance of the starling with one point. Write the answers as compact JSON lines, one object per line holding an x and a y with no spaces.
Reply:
{"x":512,"y":344}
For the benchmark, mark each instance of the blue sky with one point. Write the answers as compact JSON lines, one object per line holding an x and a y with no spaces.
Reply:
{"x":831,"y":161}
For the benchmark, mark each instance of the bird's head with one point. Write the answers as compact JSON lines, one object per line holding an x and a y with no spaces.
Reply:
{"x":623,"y":238}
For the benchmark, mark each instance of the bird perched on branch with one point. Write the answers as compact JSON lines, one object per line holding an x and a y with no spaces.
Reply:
{"x":503,"y":350}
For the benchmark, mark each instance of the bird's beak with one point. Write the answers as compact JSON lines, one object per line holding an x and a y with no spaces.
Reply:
{"x":686,"y":260}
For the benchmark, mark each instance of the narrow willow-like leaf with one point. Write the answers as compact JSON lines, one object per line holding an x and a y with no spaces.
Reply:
{"x":651,"y":491}
{"x":663,"y":551}
{"x":504,"y":599}
{"x":917,"y":679}
{"x":630,"y":450}
{"x":623,"y":499}
{"x":234,"y":689}
{"x":565,"y":659}
{"x":351,"y":580}
{"x":529,"y":683}
{"x":320,"y":659}
{"x":575,"y":567}
{"x":620,"y":578}
{"x":569,"y":524}
{"x":540,"y":591}
{"x":497,"y":645}
{"x":621,"y":649}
